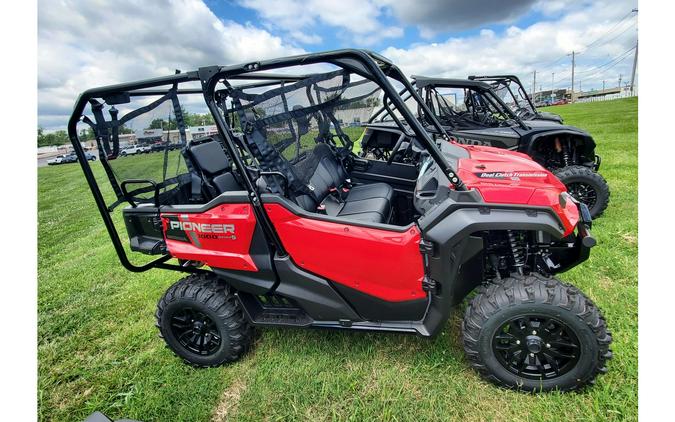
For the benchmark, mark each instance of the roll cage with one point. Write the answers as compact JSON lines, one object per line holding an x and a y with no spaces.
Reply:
{"x":204,"y":82}
{"x":504,"y":82}
{"x":425,"y":88}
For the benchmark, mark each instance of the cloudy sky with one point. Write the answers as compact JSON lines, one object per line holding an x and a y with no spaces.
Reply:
{"x":87,"y":43}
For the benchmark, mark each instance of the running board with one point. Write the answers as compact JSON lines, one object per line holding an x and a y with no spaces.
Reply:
{"x":415,"y":327}
{"x":272,"y":310}
{"x":278,"y":311}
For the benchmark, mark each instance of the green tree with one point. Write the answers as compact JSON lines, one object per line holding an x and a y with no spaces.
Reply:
{"x":60,"y":137}
{"x":156,"y":124}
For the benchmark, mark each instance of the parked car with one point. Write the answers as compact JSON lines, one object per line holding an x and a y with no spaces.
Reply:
{"x":136,"y":149}
{"x":159,"y":146}
{"x":69,"y":158}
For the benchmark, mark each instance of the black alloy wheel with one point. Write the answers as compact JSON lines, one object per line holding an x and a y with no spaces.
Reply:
{"x":202,"y":321}
{"x":586,"y":186}
{"x":583,"y":192}
{"x":536,"y":347}
{"x":195,"y":331}
{"x":535,"y":333}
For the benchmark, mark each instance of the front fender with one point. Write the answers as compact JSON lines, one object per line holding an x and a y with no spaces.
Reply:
{"x":585,"y":140}
{"x":453,"y":257}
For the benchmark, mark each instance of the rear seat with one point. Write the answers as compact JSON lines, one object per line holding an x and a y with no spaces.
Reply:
{"x":210,"y":160}
{"x":366,"y":202}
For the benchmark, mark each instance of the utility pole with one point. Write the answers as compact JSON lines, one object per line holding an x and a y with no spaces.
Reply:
{"x":552,"y":79}
{"x":632,"y":77}
{"x":573,"y":54}
{"x":603,"y":84}
{"x":534,"y":83}
{"x":620,"y":75}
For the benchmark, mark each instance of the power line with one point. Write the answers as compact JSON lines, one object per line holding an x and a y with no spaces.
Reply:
{"x":551,"y":64}
{"x":620,"y":34}
{"x":611,"y":29}
{"x":615,"y":62}
{"x":619,"y":57}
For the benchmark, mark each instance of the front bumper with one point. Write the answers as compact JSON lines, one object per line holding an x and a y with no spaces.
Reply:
{"x":575,"y":249}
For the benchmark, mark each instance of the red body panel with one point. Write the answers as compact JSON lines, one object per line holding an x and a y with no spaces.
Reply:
{"x":214,"y":247}
{"x":381,"y":263}
{"x":507,"y":177}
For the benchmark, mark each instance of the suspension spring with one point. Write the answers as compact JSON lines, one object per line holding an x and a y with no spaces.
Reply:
{"x":518,"y":251}
{"x":565,"y":154}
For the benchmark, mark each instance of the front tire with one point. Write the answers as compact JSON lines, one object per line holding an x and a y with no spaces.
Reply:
{"x":536,"y":334}
{"x":586,"y":186}
{"x":202,"y":322}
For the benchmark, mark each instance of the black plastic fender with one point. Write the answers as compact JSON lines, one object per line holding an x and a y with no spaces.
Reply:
{"x":453,"y":258}
{"x":587,"y":142}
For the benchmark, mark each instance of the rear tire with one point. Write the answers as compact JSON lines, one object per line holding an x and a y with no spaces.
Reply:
{"x":202,"y":322}
{"x":535,"y":334}
{"x":586,"y":186}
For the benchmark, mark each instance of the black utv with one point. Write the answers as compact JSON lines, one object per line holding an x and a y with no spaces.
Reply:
{"x":510,"y":89}
{"x":472,"y":113}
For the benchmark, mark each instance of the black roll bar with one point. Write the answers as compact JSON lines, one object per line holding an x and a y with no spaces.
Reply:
{"x":362,"y":62}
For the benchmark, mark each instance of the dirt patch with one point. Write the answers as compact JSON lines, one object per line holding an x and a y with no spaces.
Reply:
{"x":605,"y":282}
{"x":629,"y":238}
{"x":229,"y":401}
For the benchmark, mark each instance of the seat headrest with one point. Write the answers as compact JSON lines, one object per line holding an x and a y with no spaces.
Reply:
{"x":210,"y":157}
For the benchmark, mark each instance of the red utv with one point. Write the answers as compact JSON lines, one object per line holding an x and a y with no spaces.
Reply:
{"x":278,"y":223}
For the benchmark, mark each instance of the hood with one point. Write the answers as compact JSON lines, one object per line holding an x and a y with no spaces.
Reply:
{"x":551,"y":117}
{"x":550,"y":124}
{"x":508,"y":177}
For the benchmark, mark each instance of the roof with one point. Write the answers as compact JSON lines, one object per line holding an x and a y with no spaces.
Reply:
{"x":422,"y":81}
{"x":240,"y":71}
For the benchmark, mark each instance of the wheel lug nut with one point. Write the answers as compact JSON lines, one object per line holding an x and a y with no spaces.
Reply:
{"x":531,"y":354}
{"x":517,"y":341}
{"x":548,"y":346}
{"x":534,"y":333}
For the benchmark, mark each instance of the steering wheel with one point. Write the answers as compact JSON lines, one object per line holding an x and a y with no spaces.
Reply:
{"x":395,"y":149}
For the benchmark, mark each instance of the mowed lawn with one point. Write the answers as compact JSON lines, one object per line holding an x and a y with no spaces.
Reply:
{"x":98,"y":348}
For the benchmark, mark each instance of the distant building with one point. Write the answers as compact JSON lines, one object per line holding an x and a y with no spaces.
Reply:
{"x":353,"y":116}
{"x":549,"y":97}
{"x":197,"y":132}
{"x":146,"y":136}
{"x":127,"y":139}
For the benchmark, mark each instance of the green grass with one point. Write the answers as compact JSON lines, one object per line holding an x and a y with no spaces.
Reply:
{"x":98,"y":348}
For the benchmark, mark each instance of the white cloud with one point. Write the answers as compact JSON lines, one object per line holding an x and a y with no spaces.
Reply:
{"x":358,"y":20}
{"x":83,"y":44}
{"x":542,"y":46}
